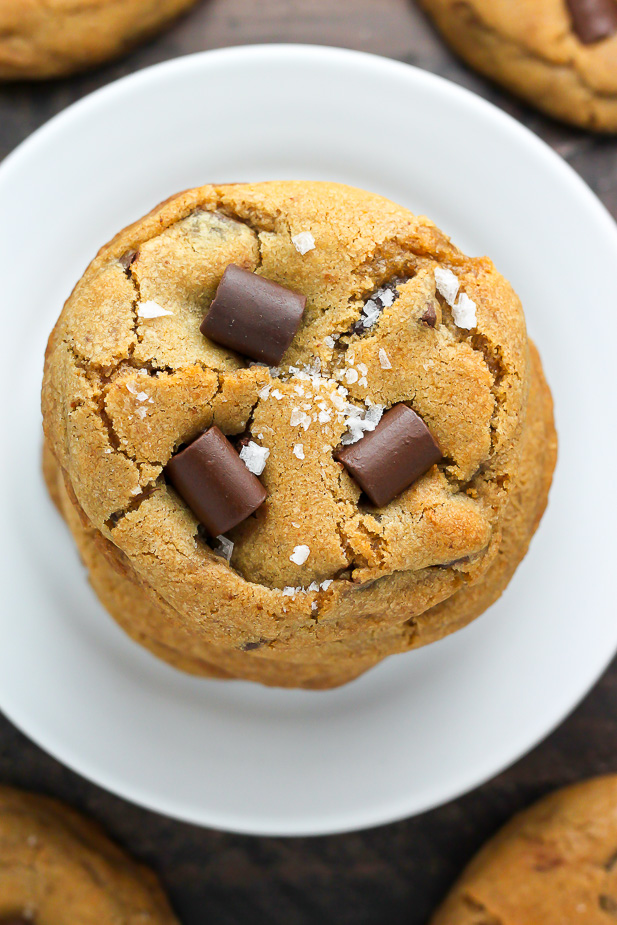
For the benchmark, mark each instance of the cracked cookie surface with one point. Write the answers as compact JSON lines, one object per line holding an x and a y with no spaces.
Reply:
{"x":150,"y":621}
{"x":51,"y":38}
{"x":123,"y":391}
{"x":57,"y":867}
{"x":531,"y":47}
{"x":553,"y":863}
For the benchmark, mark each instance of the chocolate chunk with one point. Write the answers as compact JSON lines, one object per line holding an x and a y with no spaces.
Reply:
{"x":387,"y":460}
{"x":253,"y":315}
{"x":593,"y":20}
{"x":212,"y":479}
{"x":430,"y":315}
{"x":125,"y":261}
{"x":16,"y":920}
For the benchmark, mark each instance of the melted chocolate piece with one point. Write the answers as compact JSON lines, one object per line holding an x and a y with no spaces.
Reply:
{"x":253,"y":316}
{"x":387,"y":460}
{"x":212,"y":479}
{"x":593,"y":20}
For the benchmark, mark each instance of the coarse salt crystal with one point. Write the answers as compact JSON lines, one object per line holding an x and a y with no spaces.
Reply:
{"x":151,"y":309}
{"x":141,"y":412}
{"x":326,"y":584}
{"x":264,"y":393}
{"x":299,"y":450}
{"x":384,"y":359}
{"x":464,"y":312}
{"x":363,"y":381}
{"x":142,"y":396}
{"x":289,"y":591}
{"x":324,"y":416}
{"x":329,"y":341}
{"x":386,"y":297}
{"x":132,"y":388}
{"x":254,"y":457}
{"x":303,"y":242}
{"x":300,"y":554}
{"x":277,"y":394}
{"x":351,"y":376}
{"x":447,"y":284}
{"x":314,"y":586}
{"x":363,"y":369}
{"x":224,"y":548}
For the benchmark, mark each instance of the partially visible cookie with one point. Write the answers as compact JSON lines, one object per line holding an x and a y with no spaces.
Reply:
{"x":559,"y":55}
{"x":56,"y":866}
{"x":553,"y":864}
{"x":52,"y":38}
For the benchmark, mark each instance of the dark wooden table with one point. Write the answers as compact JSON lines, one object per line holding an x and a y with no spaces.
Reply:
{"x":395,"y":874}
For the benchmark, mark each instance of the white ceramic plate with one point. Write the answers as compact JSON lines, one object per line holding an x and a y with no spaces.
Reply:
{"x":424,"y":727}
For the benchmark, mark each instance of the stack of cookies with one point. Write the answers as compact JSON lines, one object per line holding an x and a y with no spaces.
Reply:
{"x":293,"y":430}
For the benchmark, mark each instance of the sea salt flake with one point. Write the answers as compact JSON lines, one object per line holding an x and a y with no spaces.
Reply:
{"x":300,"y":554}
{"x":224,"y":547}
{"x":132,"y":387}
{"x":254,"y":457}
{"x":277,"y":394}
{"x":326,"y":584}
{"x":384,"y":359}
{"x":324,"y":416}
{"x":151,"y":309}
{"x":386,"y":297}
{"x":141,"y":412}
{"x":363,"y":381}
{"x":298,"y":390}
{"x":329,"y":341}
{"x":370,"y":314}
{"x":314,"y":605}
{"x":299,"y":450}
{"x":464,"y":312}
{"x":264,"y":393}
{"x":351,"y":376}
{"x":447,"y":284}
{"x":314,"y":586}
{"x":289,"y":591}
{"x":362,"y":369}
{"x":303,"y":242}
{"x":142,"y":396}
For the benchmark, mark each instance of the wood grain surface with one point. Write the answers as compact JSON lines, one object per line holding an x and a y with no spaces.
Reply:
{"x":395,"y":874}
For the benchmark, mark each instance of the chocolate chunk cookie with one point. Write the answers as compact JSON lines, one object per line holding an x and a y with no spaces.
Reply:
{"x":52,"y":38}
{"x":55,"y":866}
{"x":559,"y":55}
{"x":555,"y":863}
{"x":131,"y":382}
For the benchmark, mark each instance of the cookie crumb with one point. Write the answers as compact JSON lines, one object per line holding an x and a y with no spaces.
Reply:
{"x":254,"y":457}
{"x":300,"y":555}
{"x":303,"y":242}
{"x":447,"y":284}
{"x":151,"y":309}
{"x":464,"y":312}
{"x":299,"y":450}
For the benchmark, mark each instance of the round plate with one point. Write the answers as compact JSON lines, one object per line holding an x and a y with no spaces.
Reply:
{"x":423,"y":727}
